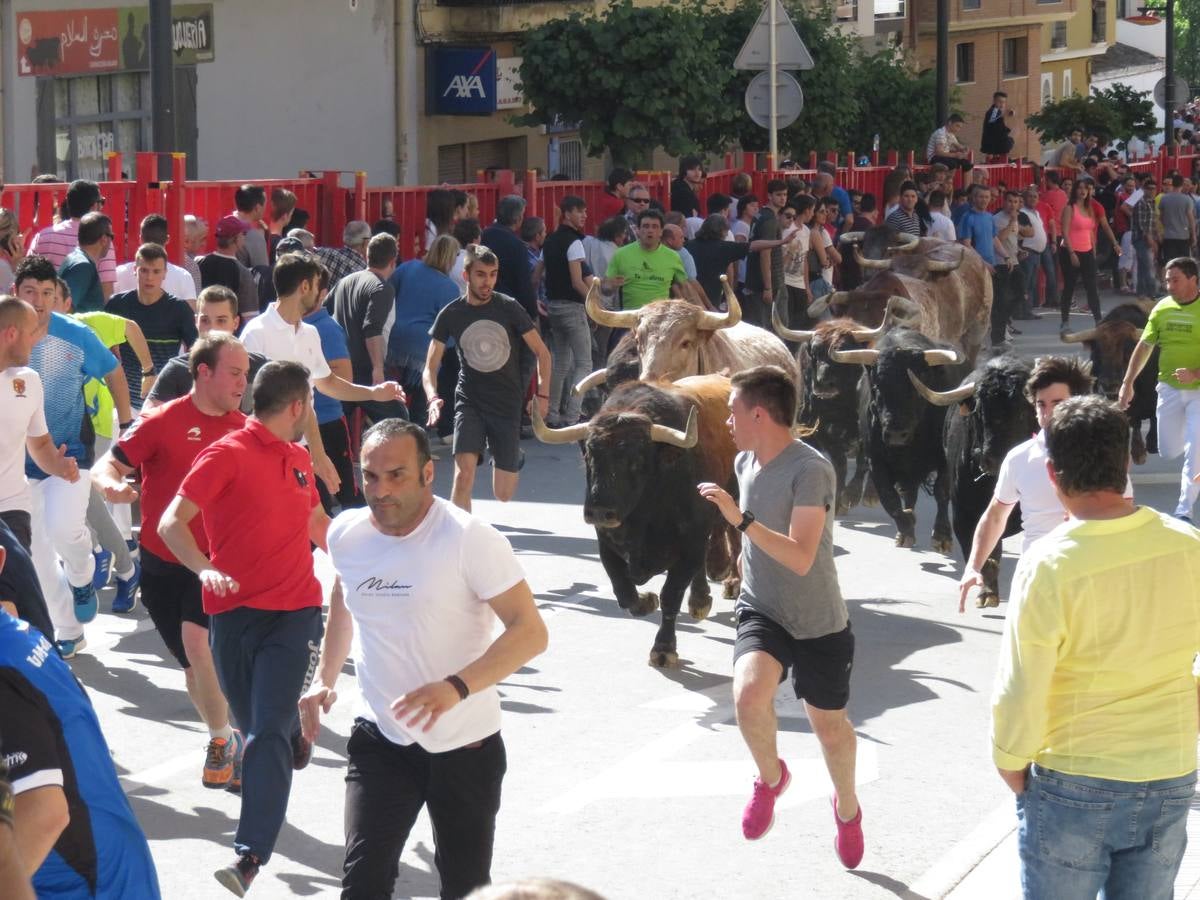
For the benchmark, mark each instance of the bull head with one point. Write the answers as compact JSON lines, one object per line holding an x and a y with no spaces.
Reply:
{"x":660,"y":434}
{"x":941,"y":398}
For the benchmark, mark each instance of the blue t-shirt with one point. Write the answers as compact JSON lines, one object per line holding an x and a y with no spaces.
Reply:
{"x":333,"y":346}
{"x":421,"y":293}
{"x":980,"y":227}
{"x":51,"y":735}
{"x":66,"y":358}
{"x":83,"y":278}
{"x":845,"y":207}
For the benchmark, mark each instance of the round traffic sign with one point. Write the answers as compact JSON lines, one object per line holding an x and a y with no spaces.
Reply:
{"x":789,"y":99}
{"x":1182,"y":92}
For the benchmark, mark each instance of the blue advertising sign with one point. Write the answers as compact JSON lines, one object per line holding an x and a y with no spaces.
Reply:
{"x":461,"y":81}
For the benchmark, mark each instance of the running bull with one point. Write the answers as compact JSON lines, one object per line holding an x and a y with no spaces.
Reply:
{"x":645,"y":452}
{"x":993,"y":415}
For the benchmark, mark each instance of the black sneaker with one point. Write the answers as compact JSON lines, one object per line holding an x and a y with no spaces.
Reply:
{"x":239,"y":875}
{"x":301,"y":751}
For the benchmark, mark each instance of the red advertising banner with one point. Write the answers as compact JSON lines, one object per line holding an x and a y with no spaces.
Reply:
{"x":68,"y":42}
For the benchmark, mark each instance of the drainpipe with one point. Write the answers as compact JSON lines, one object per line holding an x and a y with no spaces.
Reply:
{"x":407,"y":168}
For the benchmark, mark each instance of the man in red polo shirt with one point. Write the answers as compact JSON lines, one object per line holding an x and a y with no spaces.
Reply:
{"x":163,"y":443}
{"x":261,"y":510}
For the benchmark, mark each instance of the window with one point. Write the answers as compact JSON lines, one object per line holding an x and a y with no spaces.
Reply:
{"x":971,"y":4}
{"x":1099,"y":21}
{"x":889,"y":9}
{"x":1058,"y":37}
{"x":1016,"y":57}
{"x":846,"y":12}
{"x":82,"y":119}
{"x":964,"y":63}
{"x":1068,"y":90}
{"x":1047,"y":88}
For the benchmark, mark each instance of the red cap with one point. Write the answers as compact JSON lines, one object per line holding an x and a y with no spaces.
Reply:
{"x":231,"y":226}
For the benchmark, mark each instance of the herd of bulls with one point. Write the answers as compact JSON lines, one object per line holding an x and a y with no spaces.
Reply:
{"x":878,"y":383}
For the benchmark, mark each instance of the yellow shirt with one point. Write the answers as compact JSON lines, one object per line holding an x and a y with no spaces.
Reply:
{"x":1095,"y":672}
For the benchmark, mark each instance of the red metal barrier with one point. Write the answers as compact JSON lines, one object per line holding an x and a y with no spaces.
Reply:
{"x":545,"y":196}
{"x":408,"y":209}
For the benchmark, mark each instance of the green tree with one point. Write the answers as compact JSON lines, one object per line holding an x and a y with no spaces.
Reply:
{"x":896,"y":103}
{"x":1187,"y":42}
{"x":1116,"y":113}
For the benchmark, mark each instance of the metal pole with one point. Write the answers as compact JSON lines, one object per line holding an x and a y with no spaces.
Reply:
{"x":772,"y":64}
{"x":942,"y":111}
{"x":1169,"y":85}
{"x":162,"y":82}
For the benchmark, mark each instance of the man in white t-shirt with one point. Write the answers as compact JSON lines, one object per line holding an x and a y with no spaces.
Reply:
{"x":1023,"y":477}
{"x":427,"y":666}
{"x":23,"y":420}
{"x":281,"y":333}
{"x":178,"y":281}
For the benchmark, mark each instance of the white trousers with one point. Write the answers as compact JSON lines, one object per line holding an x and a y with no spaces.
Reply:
{"x":60,"y":534}
{"x":1179,"y":433}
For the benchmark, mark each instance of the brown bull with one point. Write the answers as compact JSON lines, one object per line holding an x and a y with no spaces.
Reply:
{"x":676,"y":339}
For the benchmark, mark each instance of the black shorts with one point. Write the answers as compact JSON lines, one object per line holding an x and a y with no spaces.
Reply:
{"x":475,"y":430}
{"x":172,"y":596}
{"x":820,"y":666}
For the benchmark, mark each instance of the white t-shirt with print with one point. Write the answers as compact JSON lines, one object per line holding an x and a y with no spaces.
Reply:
{"x":21,"y":416}
{"x":420,"y":610}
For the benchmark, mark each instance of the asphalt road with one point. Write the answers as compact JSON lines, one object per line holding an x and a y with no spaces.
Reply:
{"x":625,"y":778}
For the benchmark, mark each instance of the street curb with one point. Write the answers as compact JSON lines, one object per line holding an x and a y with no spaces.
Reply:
{"x":947,"y":873}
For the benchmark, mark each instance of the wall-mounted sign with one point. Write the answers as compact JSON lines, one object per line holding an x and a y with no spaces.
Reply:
{"x":460,"y":81}
{"x":107,"y":39}
{"x":508,"y":83}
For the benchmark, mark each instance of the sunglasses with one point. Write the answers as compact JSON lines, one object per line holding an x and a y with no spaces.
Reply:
{"x":640,"y":199}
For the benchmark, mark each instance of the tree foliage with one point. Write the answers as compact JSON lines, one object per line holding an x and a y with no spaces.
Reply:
{"x":1115,"y":113}
{"x":1187,"y":42}
{"x":637,"y":78}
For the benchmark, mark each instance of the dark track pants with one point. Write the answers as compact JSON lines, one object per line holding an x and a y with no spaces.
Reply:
{"x":386,"y":786}
{"x":264,"y":658}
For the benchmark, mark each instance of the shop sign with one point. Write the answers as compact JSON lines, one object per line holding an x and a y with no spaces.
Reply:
{"x":461,"y":81}
{"x":508,"y":83}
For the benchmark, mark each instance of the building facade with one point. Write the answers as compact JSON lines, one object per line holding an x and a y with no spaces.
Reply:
{"x":1071,"y":46}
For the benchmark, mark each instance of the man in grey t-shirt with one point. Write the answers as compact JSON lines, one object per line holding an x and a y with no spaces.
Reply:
{"x":1178,"y":215}
{"x":790,"y":614}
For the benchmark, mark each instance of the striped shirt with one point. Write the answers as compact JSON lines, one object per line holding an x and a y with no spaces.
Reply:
{"x":56,"y":241}
{"x":166,"y":323}
{"x":907,"y":222}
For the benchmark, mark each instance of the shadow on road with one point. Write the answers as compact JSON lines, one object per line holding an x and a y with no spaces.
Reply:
{"x":899,"y":888}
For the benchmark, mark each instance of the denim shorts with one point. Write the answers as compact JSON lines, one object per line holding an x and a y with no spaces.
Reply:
{"x":1080,"y":835}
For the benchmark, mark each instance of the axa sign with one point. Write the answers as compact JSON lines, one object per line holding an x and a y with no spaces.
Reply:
{"x":461,"y":81}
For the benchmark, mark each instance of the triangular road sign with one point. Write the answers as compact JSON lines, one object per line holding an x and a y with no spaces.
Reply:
{"x":790,"y":52}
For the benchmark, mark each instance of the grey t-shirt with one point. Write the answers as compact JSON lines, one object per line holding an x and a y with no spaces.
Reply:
{"x":1173,"y":209}
{"x":807,"y":606}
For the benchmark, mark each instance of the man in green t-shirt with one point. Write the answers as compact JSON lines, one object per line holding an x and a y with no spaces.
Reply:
{"x":1174,"y":328}
{"x":647,"y":270}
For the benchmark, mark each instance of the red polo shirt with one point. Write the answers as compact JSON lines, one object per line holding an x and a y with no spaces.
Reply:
{"x":607,"y":206}
{"x":164,"y":443}
{"x":257,"y":494}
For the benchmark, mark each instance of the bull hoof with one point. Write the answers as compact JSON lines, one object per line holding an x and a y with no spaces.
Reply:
{"x":943,"y":545}
{"x":843,"y":507}
{"x":699,"y":607}
{"x":647,"y":603}
{"x":662,"y":658}
{"x":987,"y":600}
{"x":730,"y":588}
{"x":869,"y":497}
{"x":1138,"y":456}
{"x":906,"y":540}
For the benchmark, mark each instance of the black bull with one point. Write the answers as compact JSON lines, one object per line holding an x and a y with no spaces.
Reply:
{"x":987,"y":416}
{"x":644,"y":459}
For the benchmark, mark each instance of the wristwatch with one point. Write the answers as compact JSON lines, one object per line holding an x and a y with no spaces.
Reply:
{"x":747,"y":521}
{"x":146,"y":373}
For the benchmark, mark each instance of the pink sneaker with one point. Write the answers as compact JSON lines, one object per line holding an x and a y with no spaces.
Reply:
{"x":759,"y":814}
{"x":849,"y":840}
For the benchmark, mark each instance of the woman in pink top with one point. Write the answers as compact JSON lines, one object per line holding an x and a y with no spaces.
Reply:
{"x":1081,"y":220}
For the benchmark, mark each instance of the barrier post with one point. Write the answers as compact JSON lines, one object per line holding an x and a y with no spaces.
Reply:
{"x":333,"y":219}
{"x":174,"y":210}
{"x":360,"y":196}
{"x":532,"y":200}
{"x":506,"y":183}
{"x":114,"y":165}
{"x":145,"y":170}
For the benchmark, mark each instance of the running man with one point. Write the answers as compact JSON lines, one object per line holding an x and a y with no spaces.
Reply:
{"x":488,"y":328}
{"x":163,"y":444}
{"x":790,"y":614}
{"x":261,"y":517}
{"x":429,"y":732}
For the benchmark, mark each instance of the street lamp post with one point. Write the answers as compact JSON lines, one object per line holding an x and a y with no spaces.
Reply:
{"x":943,"y":63}
{"x":162,"y":81}
{"x":1147,"y":17}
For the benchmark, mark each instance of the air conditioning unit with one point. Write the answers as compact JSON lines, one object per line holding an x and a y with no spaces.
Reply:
{"x":845,"y":12}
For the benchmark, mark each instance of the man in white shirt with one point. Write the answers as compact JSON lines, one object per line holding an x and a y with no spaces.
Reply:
{"x":1023,"y":478}
{"x":281,"y":333}
{"x":178,"y":281}
{"x":427,"y":666}
{"x":942,"y":226}
{"x":1032,"y":249}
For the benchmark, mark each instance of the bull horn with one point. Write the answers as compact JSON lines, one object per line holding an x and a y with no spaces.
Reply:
{"x":547,"y":435}
{"x":908,"y":243}
{"x":788,"y":334}
{"x":610,"y":318}
{"x":597,"y":378}
{"x":855,"y":357}
{"x":941,"y":398}
{"x":852,"y":237}
{"x":942,"y":357}
{"x":945,"y":265}
{"x":889,"y":316}
{"x":712,"y":321}
{"x":1077,"y":337}
{"x":818,"y":306}
{"x":870,"y":263}
{"x":661,"y":434}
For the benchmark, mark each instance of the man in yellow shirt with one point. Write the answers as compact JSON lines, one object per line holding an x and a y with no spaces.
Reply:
{"x":1094,"y":712}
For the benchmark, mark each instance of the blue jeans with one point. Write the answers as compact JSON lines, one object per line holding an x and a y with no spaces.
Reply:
{"x":1080,"y":837}
{"x":571,"y":352}
{"x":1030,"y":265}
{"x":1147,"y":269}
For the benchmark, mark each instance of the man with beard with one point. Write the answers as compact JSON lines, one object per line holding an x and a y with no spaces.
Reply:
{"x":281,"y":333}
{"x":429,"y":730}
{"x":261,"y":516}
